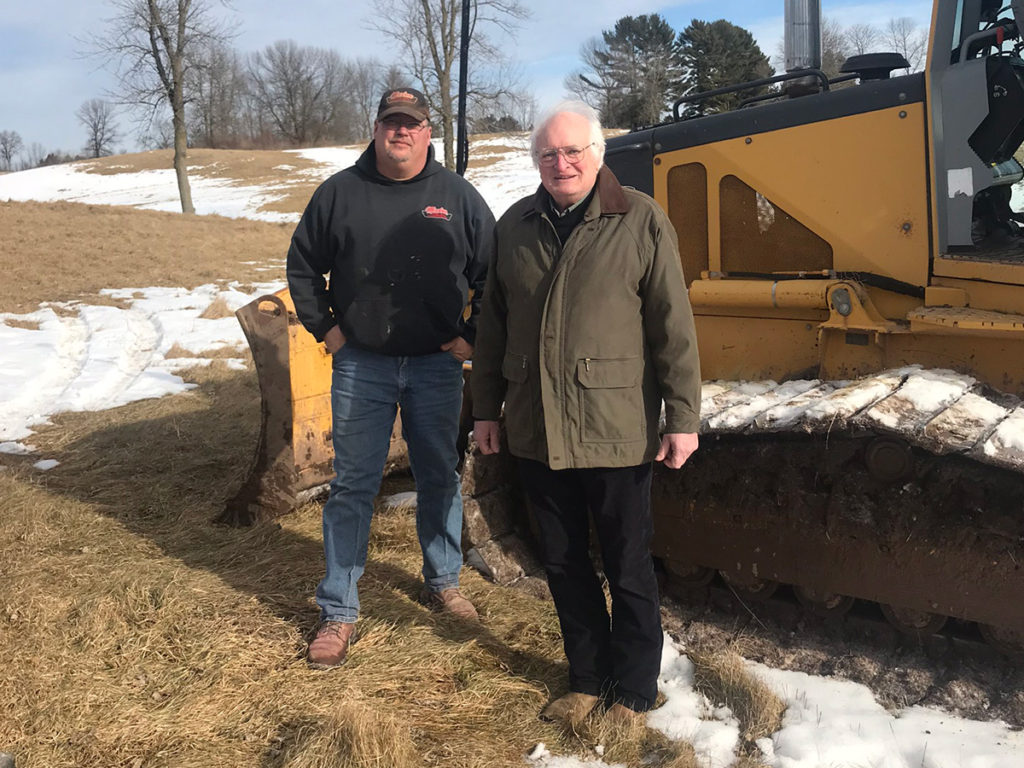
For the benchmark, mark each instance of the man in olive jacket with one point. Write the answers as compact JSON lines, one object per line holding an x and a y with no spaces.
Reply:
{"x":585,"y":331}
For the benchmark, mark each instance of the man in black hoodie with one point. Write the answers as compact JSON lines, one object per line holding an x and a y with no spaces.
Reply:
{"x":404,"y":241}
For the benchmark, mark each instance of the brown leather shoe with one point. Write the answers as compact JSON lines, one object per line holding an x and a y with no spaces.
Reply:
{"x":624,"y":717}
{"x":330,"y":646}
{"x":449,"y":601}
{"x":571,"y":708}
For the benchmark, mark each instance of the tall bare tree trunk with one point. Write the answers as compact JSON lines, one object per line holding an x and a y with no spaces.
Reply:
{"x":176,"y":58}
{"x":447,"y":119}
{"x":156,"y":43}
{"x":181,"y":160}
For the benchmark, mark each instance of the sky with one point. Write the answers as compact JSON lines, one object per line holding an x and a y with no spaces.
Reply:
{"x":45,"y":76}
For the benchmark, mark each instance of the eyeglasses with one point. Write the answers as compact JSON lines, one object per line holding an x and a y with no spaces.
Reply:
{"x":395,"y":123}
{"x":571,"y":154}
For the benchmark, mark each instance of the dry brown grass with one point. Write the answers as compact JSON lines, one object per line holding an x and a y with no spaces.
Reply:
{"x":632,"y":745}
{"x":223,"y":353}
{"x":133,"y":631}
{"x":67,"y":251}
{"x":218,"y":309}
{"x":28,"y":325}
{"x":280,"y":172}
{"x":243,"y":166}
{"x":723,"y":677}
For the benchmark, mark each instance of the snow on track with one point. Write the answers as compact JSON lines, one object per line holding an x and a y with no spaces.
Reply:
{"x":938,"y":410}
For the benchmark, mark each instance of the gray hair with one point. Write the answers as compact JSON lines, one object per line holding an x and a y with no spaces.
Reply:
{"x":576,"y":108}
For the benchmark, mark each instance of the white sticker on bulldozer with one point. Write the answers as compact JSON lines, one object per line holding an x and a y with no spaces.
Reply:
{"x":960,"y":181}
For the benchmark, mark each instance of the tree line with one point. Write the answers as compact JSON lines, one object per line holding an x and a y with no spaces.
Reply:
{"x":635,"y":71}
{"x":185,"y":85}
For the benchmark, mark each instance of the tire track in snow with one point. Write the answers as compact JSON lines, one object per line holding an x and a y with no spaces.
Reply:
{"x":49,"y":362}
{"x":119,"y":348}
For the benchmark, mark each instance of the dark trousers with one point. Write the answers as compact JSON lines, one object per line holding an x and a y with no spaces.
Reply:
{"x":617,"y":657}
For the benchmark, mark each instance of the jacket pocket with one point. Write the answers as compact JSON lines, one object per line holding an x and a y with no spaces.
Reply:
{"x":522,"y":416}
{"x":513,"y":368}
{"x":611,"y":399}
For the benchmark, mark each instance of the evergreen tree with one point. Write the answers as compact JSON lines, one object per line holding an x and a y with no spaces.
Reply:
{"x":716,"y":54}
{"x":632,"y":72}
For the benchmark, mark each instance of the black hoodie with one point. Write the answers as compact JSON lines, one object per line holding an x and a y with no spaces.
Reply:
{"x":401,"y":255}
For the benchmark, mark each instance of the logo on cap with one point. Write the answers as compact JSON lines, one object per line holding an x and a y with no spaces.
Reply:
{"x":401,"y":96}
{"x":434,"y":212}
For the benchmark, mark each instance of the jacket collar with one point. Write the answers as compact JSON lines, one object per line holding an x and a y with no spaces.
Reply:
{"x":609,"y":200}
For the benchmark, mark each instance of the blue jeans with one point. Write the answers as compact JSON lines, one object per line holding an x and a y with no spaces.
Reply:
{"x":366,"y":388}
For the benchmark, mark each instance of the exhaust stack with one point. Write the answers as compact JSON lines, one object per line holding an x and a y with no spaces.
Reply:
{"x":803,"y":34}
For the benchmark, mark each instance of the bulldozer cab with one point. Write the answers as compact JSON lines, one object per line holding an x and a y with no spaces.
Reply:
{"x":976,"y":89}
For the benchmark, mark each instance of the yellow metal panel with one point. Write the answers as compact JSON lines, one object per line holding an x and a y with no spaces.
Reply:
{"x":992,"y":271}
{"x":858,"y":182}
{"x":756,"y":348}
{"x":982,"y":295}
{"x":940,"y":296}
{"x":309,"y":363}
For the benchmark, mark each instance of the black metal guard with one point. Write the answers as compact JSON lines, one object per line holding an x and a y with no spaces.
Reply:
{"x":794,"y":75}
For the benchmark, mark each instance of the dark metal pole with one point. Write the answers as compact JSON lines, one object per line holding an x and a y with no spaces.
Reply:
{"x":462,"y":139}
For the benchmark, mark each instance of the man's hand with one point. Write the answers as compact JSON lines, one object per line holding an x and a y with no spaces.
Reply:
{"x":459,"y":348}
{"x":676,"y":449}
{"x":486,"y":435}
{"x":334,"y":340}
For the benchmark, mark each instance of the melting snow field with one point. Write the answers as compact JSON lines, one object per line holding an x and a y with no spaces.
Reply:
{"x":96,"y":357}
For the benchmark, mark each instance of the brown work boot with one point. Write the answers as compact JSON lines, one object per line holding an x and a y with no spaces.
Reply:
{"x":622,"y":716}
{"x":330,"y":646}
{"x":570,"y":709}
{"x":449,"y":601}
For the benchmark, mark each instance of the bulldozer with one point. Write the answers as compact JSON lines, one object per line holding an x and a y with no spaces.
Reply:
{"x":856,"y":272}
{"x":857,"y":279}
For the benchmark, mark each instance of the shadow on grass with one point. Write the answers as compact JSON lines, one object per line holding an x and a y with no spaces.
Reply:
{"x":164,"y":468}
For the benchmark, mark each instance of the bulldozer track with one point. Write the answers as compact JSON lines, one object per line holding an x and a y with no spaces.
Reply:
{"x":903,"y":489}
{"x":782,"y":613}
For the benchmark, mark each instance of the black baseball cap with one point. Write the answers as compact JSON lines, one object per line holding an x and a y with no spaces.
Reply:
{"x":405,"y":101}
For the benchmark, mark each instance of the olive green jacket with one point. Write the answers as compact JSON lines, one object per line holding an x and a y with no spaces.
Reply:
{"x":583,"y":342}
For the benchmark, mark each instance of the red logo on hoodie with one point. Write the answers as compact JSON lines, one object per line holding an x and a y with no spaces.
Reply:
{"x":433,"y":212}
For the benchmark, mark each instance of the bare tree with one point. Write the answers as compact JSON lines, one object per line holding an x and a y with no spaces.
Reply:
{"x":159,"y":134}
{"x":392,"y":78}
{"x":587,"y":83}
{"x":834,"y":46}
{"x":10,"y":146}
{"x":509,"y":113}
{"x":302,"y":89}
{"x":365,"y":90}
{"x":97,"y":117}
{"x":34,"y":155}
{"x":902,"y":35}
{"x":429,"y":32}
{"x":153,"y":45}
{"x":862,"y":38}
{"x":218,"y":86}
